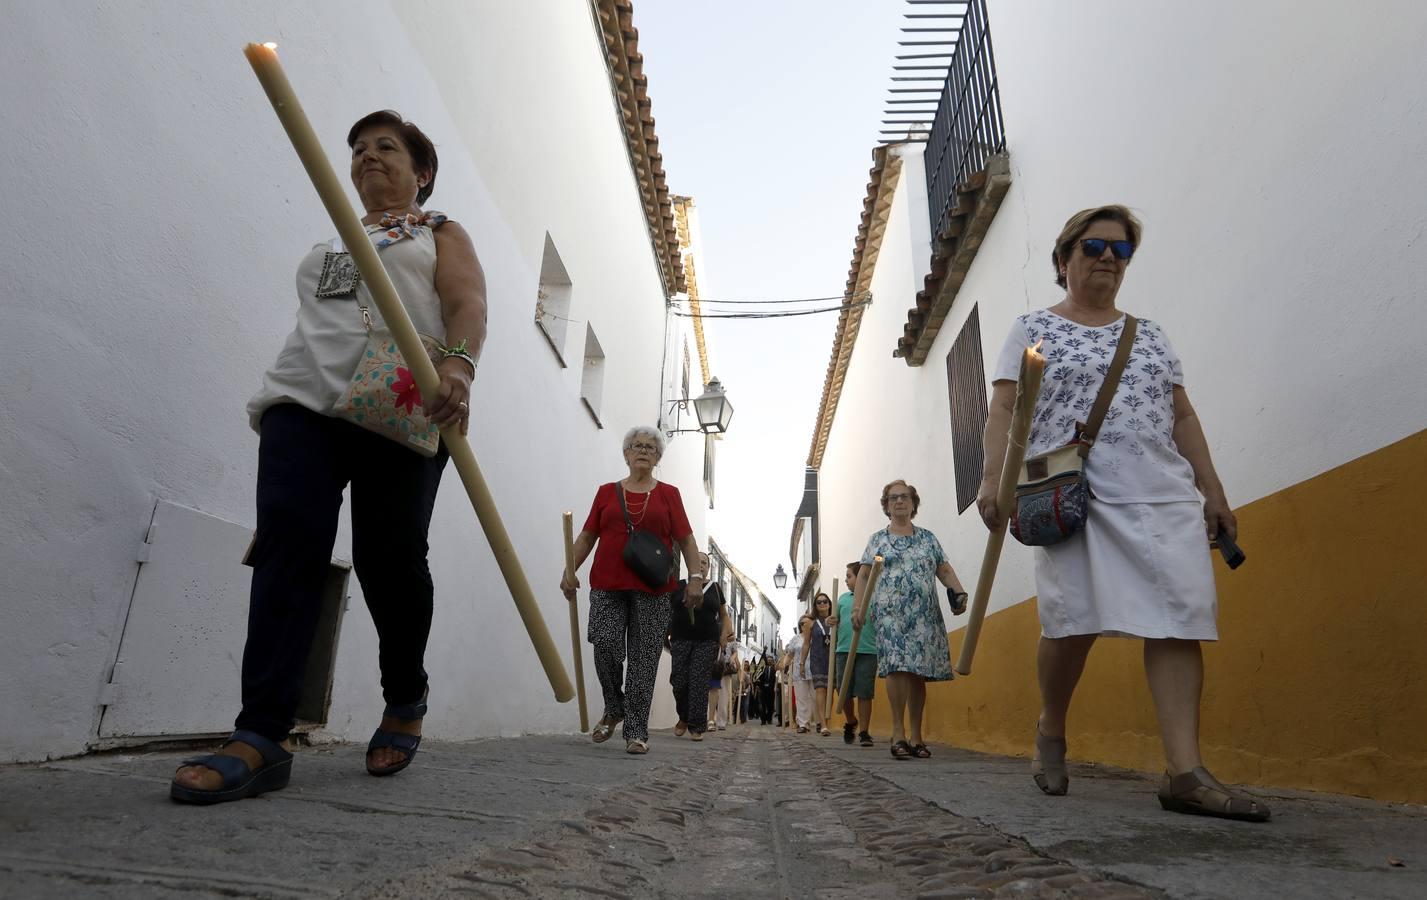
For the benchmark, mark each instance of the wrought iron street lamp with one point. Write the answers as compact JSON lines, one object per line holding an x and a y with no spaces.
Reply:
{"x":780,"y":578}
{"x":712,"y":409}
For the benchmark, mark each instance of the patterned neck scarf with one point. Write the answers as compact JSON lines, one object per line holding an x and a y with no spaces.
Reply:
{"x":407,"y":226}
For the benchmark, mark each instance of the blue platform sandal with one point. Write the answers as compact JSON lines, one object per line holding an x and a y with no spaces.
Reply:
{"x":239,"y":780}
{"x":396,"y":740}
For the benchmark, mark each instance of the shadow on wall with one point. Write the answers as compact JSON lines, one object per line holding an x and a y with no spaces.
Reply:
{"x":1318,"y":676}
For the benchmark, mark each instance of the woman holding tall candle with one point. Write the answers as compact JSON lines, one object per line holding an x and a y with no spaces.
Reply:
{"x":629,"y":618}
{"x":1140,"y":566}
{"x":819,"y":653}
{"x":906,"y":614}
{"x":307,"y":455}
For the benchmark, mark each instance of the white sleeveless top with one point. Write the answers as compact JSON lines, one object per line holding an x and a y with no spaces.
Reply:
{"x":320,"y":355}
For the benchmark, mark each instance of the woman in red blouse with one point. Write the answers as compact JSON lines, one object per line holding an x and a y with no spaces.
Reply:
{"x":629,"y":618}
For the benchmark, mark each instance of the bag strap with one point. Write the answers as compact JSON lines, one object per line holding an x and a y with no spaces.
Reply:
{"x":619,"y":492}
{"x":1090,"y":428}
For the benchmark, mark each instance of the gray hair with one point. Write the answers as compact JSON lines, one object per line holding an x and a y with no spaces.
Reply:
{"x":644,"y":431}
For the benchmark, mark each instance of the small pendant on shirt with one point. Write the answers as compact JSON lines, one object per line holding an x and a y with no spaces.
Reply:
{"x":340,"y":275}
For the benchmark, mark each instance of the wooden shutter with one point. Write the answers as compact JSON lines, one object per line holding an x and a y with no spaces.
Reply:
{"x":966,"y":383}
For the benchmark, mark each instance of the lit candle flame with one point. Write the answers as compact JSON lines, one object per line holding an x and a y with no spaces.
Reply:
{"x":270,"y":45}
{"x":1036,"y":349}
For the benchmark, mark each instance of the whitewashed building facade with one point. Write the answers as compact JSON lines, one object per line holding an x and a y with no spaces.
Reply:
{"x":154,"y":284}
{"x":1274,"y":152}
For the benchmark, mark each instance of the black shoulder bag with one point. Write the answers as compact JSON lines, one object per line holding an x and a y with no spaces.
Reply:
{"x":644,"y":554}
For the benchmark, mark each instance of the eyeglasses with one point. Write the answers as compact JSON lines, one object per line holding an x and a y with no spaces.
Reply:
{"x":824,"y":602}
{"x":893,"y":498}
{"x":1095,"y":248}
{"x":644,"y":448}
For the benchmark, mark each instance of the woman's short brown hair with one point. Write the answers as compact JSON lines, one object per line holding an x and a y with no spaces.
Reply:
{"x":1080,"y":223}
{"x":423,"y":152}
{"x":916,"y":498}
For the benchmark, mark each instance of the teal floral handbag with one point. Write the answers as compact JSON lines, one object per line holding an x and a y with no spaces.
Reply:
{"x":383,"y":397}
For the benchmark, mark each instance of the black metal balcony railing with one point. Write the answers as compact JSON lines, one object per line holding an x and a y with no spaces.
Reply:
{"x":967,"y":129}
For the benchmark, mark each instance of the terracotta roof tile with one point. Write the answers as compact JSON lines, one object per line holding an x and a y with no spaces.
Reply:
{"x":626,"y":68}
{"x":882,"y":180}
{"x":953,"y":250}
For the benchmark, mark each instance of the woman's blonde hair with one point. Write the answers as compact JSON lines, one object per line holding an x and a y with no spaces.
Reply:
{"x":1080,"y":223}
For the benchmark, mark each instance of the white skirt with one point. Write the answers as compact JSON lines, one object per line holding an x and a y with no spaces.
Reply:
{"x":1135,"y":570}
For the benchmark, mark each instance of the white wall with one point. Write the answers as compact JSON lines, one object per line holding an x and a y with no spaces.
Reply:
{"x":152,"y":284}
{"x":1272,"y":149}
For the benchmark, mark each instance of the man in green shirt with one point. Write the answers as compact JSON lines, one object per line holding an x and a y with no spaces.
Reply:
{"x":864,"y":666}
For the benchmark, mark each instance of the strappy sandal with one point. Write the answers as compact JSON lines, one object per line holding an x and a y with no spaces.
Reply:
{"x":399,"y":741}
{"x":239,"y":780}
{"x":1049,"y":771}
{"x":901,"y":750}
{"x":601,"y":732}
{"x":920,"y":751}
{"x":823,"y":730}
{"x":1198,"y":793}
{"x":636,"y":747}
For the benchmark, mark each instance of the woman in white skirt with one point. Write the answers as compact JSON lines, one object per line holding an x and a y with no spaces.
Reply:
{"x":1140,"y":567}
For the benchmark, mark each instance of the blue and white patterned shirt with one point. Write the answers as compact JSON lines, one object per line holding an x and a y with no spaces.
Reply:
{"x":1134,"y":459}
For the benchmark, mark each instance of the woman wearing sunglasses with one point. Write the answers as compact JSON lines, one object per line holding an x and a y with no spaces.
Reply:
{"x":1140,"y":566}
{"x":818,"y":654}
{"x":906,"y":614}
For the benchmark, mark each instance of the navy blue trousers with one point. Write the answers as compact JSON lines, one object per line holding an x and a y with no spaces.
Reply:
{"x":305,"y":460}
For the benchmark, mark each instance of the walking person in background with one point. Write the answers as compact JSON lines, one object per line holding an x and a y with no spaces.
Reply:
{"x":693,"y":655}
{"x":1140,"y":566}
{"x":818,"y":651}
{"x":629,"y":618}
{"x":726,"y":669}
{"x":864,"y":667}
{"x":745,"y":691}
{"x":767,"y":690}
{"x":799,"y":676}
{"x":906,"y":614}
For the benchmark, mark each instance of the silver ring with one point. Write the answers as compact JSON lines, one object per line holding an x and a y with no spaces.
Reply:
{"x":463,"y":406}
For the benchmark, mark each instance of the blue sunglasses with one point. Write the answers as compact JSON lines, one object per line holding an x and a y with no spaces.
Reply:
{"x":1095,"y":248}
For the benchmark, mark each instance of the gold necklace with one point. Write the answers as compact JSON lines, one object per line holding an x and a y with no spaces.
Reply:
{"x":637,"y":515}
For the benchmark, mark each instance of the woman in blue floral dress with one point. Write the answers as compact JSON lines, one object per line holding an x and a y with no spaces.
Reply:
{"x":905,"y":614}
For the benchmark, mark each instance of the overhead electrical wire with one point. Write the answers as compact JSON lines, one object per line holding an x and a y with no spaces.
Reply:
{"x":776,"y":302}
{"x":770,"y":315}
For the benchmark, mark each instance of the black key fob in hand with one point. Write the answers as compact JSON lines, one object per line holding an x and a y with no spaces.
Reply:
{"x":957,"y":600}
{"x":1233,"y":556}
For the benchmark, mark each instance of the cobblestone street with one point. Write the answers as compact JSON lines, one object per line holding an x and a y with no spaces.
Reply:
{"x":751,"y":812}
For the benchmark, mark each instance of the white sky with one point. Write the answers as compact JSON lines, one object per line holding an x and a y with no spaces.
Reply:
{"x":767,"y":114}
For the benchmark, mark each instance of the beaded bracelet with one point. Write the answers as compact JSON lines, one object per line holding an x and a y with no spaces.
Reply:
{"x":460,"y":351}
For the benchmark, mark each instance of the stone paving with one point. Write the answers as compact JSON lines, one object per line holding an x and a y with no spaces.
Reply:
{"x":753,"y":812}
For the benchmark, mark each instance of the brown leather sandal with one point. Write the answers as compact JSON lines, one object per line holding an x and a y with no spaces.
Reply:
{"x":1198,"y":793}
{"x":1049,"y":771}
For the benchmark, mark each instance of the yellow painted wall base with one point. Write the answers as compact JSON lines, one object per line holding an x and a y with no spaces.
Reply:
{"x":1318,"y":681}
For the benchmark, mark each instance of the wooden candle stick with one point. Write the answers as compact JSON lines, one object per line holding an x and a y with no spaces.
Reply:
{"x":575,"y":643}
{"x":263,"y":58}
{"x":862,"y":599}
{"x":1028,"y":388}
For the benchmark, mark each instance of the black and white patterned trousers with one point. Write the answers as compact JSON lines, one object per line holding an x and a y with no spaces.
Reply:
{"x":689,"y":673}
{"x":628,"y":625}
